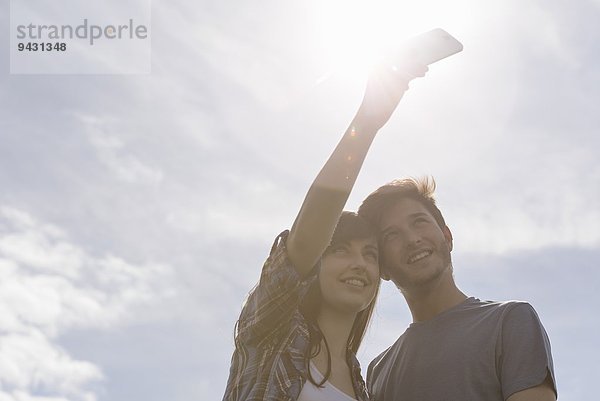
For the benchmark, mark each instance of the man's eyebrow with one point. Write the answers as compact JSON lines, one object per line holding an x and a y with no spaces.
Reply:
{"x":410,"y":216}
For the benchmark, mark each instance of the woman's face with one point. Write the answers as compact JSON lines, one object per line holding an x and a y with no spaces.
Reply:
{"x":349,"y":275}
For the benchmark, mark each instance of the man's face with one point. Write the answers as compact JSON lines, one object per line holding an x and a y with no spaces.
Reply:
{"x":415,"y":250}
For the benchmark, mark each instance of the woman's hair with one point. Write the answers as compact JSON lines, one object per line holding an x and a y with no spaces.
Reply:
{"x":350,"y":227}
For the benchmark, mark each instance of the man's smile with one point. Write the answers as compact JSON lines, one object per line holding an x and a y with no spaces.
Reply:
{"x":419,"y":255}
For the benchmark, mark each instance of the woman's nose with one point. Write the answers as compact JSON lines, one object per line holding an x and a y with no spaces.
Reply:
{"x":359,"y":262}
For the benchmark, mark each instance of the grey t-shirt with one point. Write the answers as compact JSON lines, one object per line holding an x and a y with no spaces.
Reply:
{"x":475,"y":351}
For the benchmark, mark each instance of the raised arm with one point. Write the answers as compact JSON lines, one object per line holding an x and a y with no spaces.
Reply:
{"x":278,"y":293}
{"x":312,"y":230}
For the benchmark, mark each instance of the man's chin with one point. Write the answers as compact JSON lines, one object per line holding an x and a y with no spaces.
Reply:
{"x":407,"y":283}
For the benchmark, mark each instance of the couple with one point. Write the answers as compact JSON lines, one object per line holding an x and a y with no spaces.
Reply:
{"x":299,"y":331}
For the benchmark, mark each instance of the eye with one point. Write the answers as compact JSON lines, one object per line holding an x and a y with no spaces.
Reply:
{"x":421,"y":220}
{"x":338,"y":249}
{"x":390,"y":236}
{"x":372,"y":256}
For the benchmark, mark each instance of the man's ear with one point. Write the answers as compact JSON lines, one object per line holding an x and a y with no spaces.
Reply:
{"x":448,"y":235}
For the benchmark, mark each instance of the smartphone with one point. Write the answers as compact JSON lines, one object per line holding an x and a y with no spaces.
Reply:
{"x":431,"y":46}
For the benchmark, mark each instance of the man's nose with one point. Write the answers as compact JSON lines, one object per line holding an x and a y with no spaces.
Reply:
{"x":413,"y":239}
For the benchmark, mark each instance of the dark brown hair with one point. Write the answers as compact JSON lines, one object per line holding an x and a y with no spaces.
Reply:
{"x":350,"y":227}
{"x":420,"y":190}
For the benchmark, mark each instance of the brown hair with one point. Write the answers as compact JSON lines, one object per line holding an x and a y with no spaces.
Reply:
{"x":384,"y":197}
{"x":350,"y":227}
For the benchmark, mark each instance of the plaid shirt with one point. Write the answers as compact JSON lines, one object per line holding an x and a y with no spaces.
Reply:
{"x":268,"y":363}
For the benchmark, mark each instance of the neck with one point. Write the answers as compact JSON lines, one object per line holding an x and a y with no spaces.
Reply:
{"x":428,"y":301}
{"x":336,"y":327}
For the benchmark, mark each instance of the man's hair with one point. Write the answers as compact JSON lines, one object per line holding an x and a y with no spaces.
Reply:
{"x":386,"y":196}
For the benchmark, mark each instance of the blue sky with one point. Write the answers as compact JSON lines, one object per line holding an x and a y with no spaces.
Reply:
{"x":136,"y":210}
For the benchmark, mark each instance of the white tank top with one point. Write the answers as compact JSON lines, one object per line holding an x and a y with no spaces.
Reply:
{"x":329,"y":392}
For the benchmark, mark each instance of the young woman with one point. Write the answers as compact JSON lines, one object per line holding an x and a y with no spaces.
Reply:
{"x":300,"y":329}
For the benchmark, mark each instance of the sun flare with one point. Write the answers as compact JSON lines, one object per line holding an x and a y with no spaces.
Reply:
{"x":355,"y":35}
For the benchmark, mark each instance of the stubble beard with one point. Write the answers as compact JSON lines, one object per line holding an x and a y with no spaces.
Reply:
{"x":405,"y":281}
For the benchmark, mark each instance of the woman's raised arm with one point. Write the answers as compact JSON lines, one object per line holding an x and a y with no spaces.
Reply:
{"x":312,"y":230}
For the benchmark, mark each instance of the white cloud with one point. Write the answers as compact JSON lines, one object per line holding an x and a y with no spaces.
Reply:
{"x":113,"y":153}
{"x":37,"y":245}
{"x":23,"y":396}
{"x":31,"y":362}
{"x":49,"y":285}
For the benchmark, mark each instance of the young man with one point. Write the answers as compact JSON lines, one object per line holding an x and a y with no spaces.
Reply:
{"x":458,"y":348}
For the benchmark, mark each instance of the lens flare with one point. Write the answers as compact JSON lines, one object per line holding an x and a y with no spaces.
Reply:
{"x":355,"y":35}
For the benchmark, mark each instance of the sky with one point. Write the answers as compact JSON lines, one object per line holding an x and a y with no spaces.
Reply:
{"x":136,"y":210}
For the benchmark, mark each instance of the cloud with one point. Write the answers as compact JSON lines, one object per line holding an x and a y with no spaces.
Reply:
{"x":113,"y":154}
{"x":31,"y":363}
{"x":50,"y":285}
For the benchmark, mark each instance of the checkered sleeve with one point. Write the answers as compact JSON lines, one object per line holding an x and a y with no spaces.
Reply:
{"x":275,"y":300}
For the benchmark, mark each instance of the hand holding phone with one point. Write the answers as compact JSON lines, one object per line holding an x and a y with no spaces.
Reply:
{"x":390,"y":79}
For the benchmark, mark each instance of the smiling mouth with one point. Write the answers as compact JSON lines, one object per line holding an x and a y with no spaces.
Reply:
{"x":355,"y":282}
{"x":419,"y":256}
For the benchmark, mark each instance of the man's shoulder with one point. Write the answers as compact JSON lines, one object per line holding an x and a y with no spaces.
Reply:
{"x":493,"y":303}
{"x":488,"y":306}
{"x":488,"y":312}
{"x":388,"y":354}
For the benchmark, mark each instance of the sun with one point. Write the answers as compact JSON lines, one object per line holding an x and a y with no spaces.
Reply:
{"x":354,"y":35}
